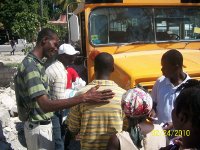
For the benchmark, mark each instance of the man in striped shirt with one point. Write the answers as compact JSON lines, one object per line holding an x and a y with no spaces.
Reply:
{"x":57,"y":76}
{"x":32,"y":90}
{"x":96,"y":122}
{"x":57,"y":82}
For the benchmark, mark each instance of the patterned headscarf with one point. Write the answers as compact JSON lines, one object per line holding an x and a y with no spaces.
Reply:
{"x":136,"y":103}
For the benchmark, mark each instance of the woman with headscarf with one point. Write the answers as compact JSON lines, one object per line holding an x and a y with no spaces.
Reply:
{"x":141,"y":133}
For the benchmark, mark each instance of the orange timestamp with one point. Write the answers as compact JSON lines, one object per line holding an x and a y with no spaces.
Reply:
{"x":170,"y":133}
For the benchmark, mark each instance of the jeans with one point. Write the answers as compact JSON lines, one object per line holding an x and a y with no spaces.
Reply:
{"x":59,"y":143}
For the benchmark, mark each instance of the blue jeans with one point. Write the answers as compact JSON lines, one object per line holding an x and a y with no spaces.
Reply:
{"x":59,"y":143}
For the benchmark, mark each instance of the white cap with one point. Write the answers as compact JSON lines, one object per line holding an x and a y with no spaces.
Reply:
{"x":67,"y":49}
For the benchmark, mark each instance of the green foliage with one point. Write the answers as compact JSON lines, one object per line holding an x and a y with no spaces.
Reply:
{"x":1,"y":26}
{"x":12,"y":65}
{"x":61,"y":31}
{"x":10,"y":8}
{"x":27,"y":48}
{"x":23,"y":17}
{"x":26,"y":25}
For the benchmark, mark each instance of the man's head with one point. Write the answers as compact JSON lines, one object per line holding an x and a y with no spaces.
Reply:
{"x":103,"y":64}
{"x":172,"y":63}
{"x":48,"y":41}
{"x":67,"y":54}
{"x":186,"y":112}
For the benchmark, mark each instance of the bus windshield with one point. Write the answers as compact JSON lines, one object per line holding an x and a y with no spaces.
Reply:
{"x":115,"y":25}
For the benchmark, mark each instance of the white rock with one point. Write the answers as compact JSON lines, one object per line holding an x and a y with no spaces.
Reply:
{"x":4,"y":117}
{"x":7,"y":101}
{"x":8,"y":129}
{"x":13,"y":110}
{"x":10,"y":92}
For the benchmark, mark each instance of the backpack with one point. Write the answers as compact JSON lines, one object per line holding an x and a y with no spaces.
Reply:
{"x":22,"y":108}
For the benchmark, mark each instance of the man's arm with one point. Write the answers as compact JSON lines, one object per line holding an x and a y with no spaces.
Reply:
{"x":154,"y":92}
{"x":91,"y":96}
{"x":38,"y":92}
{"x":152,"y":114}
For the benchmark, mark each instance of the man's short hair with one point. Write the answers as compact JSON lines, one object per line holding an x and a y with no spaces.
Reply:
{"x":104,"y":62}
{"x":45,"y":32}
{"x":174,"y":57}
{"x":188,"y":102}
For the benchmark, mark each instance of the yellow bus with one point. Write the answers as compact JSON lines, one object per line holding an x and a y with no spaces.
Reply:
{"x":136,"y":33}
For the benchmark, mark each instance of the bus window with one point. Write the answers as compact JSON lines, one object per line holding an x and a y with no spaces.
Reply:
{"x":121,"y":25}
{"x":177,"y":23}
{"x":115,"y":25}
{"x":99,"y":29}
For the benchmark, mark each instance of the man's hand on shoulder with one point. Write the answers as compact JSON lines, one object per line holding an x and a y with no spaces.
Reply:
{"x":94,"y":96}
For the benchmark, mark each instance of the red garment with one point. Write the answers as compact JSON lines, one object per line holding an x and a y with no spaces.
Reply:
{"x":71,"y":77}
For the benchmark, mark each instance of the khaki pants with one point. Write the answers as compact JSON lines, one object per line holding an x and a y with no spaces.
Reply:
{"x":38,"y":137}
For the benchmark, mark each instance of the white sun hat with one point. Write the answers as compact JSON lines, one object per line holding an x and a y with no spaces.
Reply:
{"x":67,"y":49}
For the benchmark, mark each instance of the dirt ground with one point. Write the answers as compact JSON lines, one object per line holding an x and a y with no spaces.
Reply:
{"x":8,"y":66}
{"x":6,"y":58}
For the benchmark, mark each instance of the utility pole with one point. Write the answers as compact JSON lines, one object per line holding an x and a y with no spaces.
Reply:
{"x":41,"y":12}
{"x":41,"y":8}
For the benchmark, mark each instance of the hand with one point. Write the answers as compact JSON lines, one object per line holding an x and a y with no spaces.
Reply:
{"x":152,"y":116}
{"x":168,"y":126}
{"x":94,"y":96}
{"x":178,"y":140}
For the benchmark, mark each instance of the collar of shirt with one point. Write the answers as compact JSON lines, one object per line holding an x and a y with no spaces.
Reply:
{"x":60,"y":63}
{"x":35,"y":58}
{"x":167,"y":81}
{"x":102,"y":82}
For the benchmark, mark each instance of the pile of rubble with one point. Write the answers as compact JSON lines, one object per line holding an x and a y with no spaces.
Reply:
{"x":11,"y":128}
{"x":6,"y":75}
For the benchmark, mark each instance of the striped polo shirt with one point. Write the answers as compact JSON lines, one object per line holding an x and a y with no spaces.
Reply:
{"x":97,"y":122}
{"x":32,"y":82}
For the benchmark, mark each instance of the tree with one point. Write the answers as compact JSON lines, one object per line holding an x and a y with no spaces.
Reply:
{"x":9,"y":9}
{"x":60,"y":30}
{"x":23,"y":18}
{"x":1,"y":26}
{"x":26,"y":25}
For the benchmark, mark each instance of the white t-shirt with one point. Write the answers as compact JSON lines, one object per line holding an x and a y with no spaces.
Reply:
{"x":153,"y":140}
{"x":164,"y":94}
